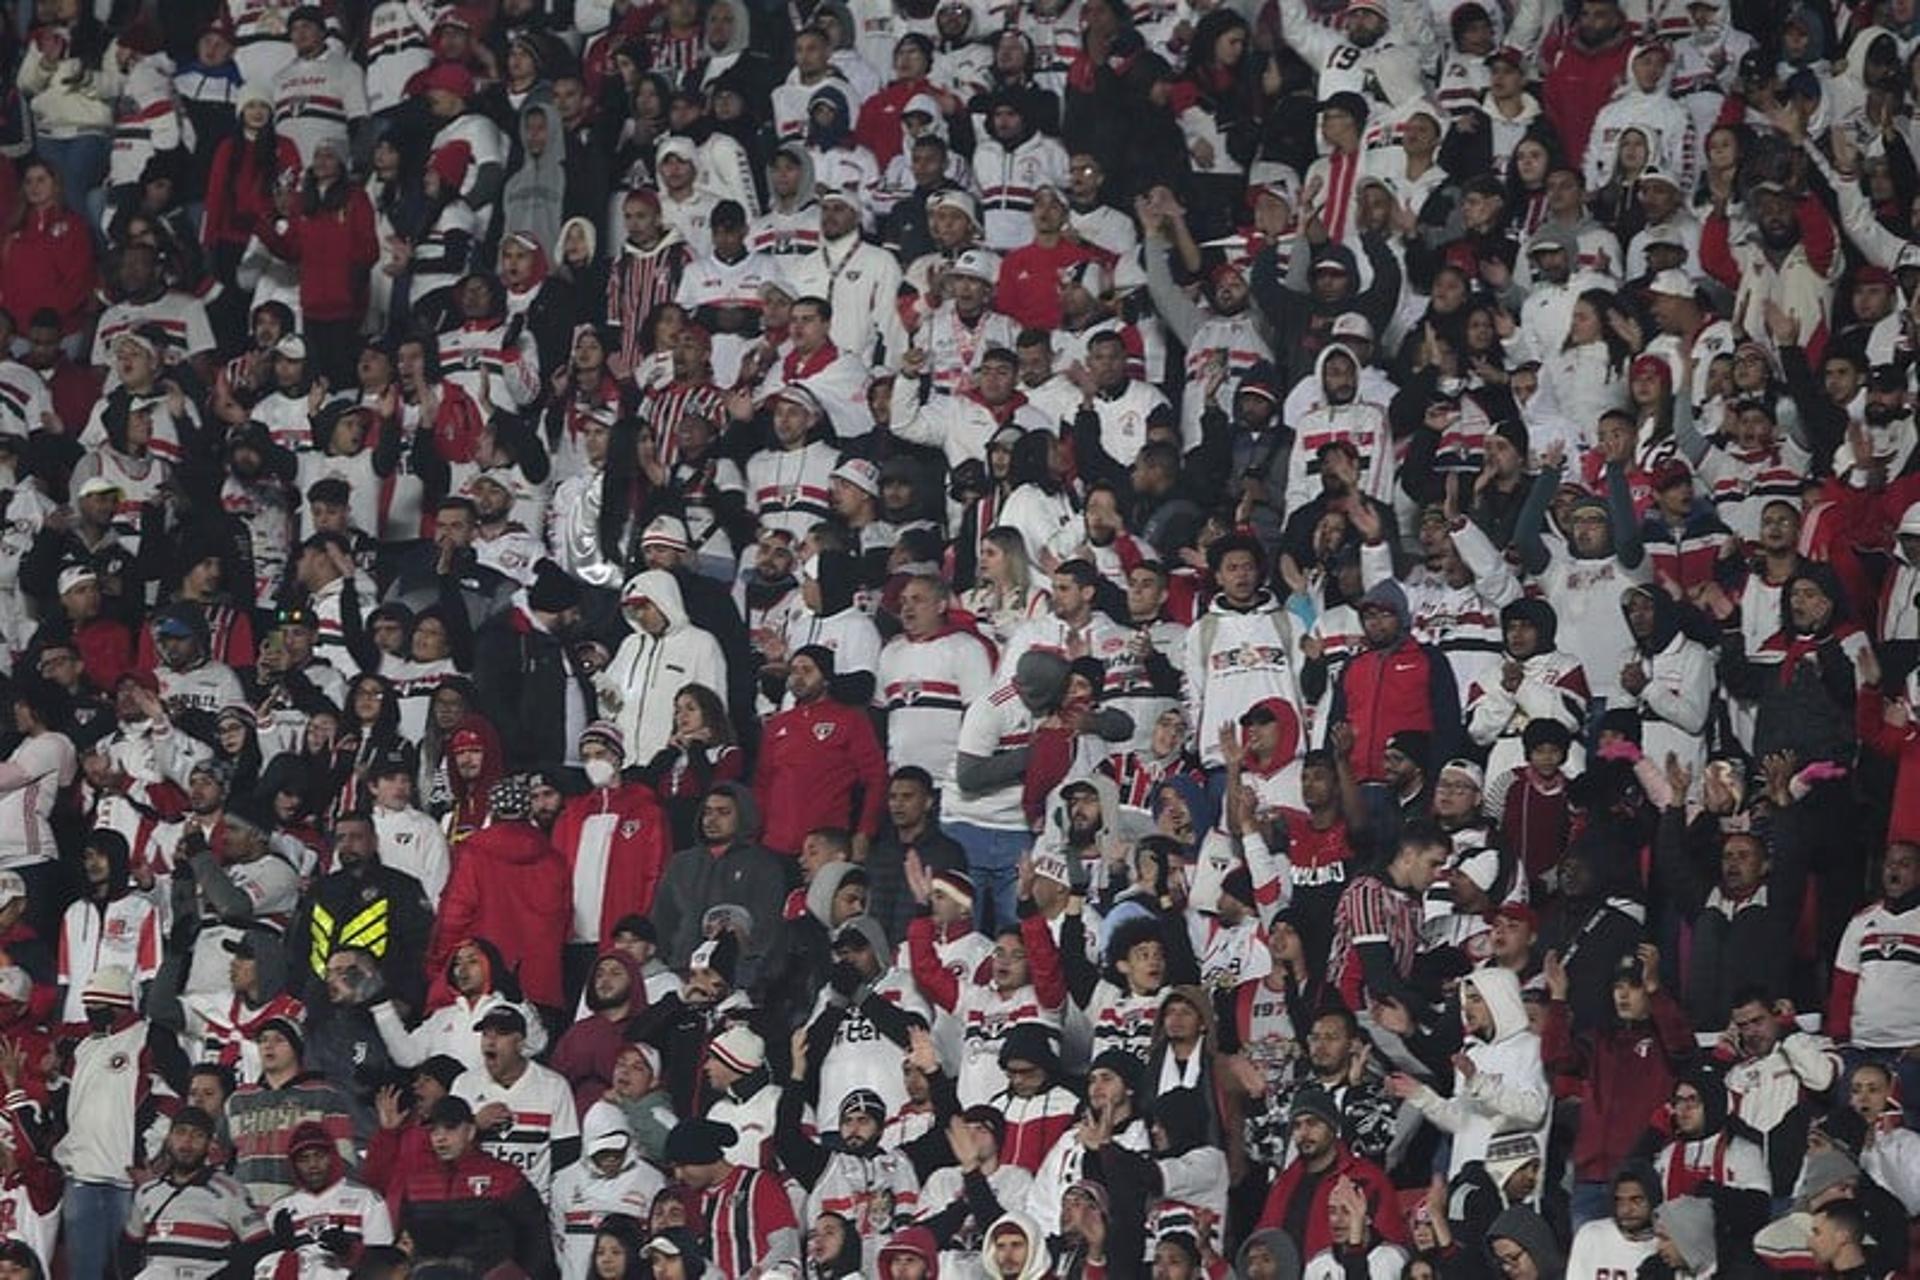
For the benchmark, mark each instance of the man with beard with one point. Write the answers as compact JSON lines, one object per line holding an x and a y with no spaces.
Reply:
{"x":1243,"y":620}
{"x":1558,"y":282}
{"x":1790,"y":260}
{"x":532,"y":685}
{"x":848,"y":1173}
{"x":1298,"y":1202}
{"x":1342,"y":418}
{"x":961,"y":425}
{"x":1116,"y":410}
{"x":589,"y":1049}
{"x":193,"y":1221}
{"x":367,"y":904}
{"x":523,"y":1111}
{"x":502,"y":543}
{"x":343,"y":1043}
{"x":328,"y":1218}
{"x":1619,"y":1243}
{"x":1580,"y":76}
{"x":1223,"y":338}
{"x":481,"y":983}
{"x":1074,"y":629}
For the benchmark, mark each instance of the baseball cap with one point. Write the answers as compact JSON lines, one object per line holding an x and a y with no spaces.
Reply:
{"x":97,"y":485}
{"x":76,"y":576}
{"x":1672,"y":283}
{"x":291,"y":347}
{"x":505,"y":1018}
{"x":859,"y":473}
{"x":979,"y":264}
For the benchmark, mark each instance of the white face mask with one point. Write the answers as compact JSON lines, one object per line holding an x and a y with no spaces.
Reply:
{"x":601,"y":771}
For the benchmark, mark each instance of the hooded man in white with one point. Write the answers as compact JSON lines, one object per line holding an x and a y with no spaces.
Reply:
{"x":1645,"y":102}
{"x":608,"y":1178}
{"x":1500,"y":1086}
{"x":664,"y":654}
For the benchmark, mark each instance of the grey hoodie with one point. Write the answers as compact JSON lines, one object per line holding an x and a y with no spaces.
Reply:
{"x":743,"y":875}
{"x":1688,"y":1222}
{"x":1286,"y":1257}
{"x":1530,"y":1231}
{"x":536,"y":194}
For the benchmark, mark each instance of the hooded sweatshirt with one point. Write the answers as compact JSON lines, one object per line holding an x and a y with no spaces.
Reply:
{"x":113,"y":927}
{"x":510,"y":886}
{"x":342,"y":1204}
{"x":638,"y":687}
{"x":1038,"y":1264}
{"x":1358,"y":422}
{"x":582,"y":1197}
{"x":1666,"y":124}
{"x":1530,"y":1231}
{"x":589,"y":1048}
{"x":1507,"y":1092}
{"x":534,"y":199}
{"x":1404,"y":686}
{"x":1553,"y":686}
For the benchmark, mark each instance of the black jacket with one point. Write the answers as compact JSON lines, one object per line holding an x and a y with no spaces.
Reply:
{"x":380,"y":909}
{"x":522,"y":676}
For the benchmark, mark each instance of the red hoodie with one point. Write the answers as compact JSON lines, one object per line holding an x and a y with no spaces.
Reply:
{"x":510,"y":887}
{"x":470,"y":798}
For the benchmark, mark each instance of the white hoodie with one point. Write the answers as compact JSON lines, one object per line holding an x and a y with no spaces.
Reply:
{"x":1507,"y":1092}
{"x":1672,"y":145}
{"x":638,"y":687}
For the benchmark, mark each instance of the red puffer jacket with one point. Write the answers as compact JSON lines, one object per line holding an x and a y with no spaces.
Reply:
{"x":510,"y":887}
{"x":1388,"y":691}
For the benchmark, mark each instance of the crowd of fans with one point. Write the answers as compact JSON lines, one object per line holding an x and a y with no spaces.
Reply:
{"x":1020,"y":639}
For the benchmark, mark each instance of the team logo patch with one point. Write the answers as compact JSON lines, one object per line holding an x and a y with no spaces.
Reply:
{"x":118,"y":1062}
{"x":628,"y":828}
{"x":823,"y":731}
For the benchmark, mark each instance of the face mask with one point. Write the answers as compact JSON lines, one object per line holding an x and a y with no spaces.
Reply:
{"x":601,"y":772}
{"x":98,"y":1018}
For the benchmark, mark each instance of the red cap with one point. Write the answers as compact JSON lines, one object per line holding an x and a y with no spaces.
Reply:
{"x":1874,"y":275}
{"x":144,"y":679}
{"x":1671,"y":472}
{"x":449,"y":76}
{"x":465,"y":740}
{"x":1520,"y":913}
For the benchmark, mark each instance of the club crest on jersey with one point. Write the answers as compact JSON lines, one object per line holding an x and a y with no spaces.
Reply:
{"x":823,"y":731}
{"x":1888,"y":945}
{"x":628,"y":828}
{"x":479,"y":1184}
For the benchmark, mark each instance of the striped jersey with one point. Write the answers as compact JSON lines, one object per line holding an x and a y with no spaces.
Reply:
{"x":541,"y":1103}
{"x":189,"y":1232}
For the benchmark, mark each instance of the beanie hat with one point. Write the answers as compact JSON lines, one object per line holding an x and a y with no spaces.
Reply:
{"x":819,"y":655}
{"x":110,"y":985}
{"x":738,"y":1048}
{"x":286,"y":1027}
{"x":1317,"y":1102}
{"x":608,"y":734}
{"x":511,"y":797}
{"x":553,"y":589}
{"x":956,"y":885}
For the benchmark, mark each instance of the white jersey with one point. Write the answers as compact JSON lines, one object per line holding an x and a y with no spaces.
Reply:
{"x":541,"y":1103}
{"x":410,"y":841}
{"x":314,"y":99}
{"x":862,"y":1058}
{"x":1601,"y":1251}
{"x":581,"y":1200}
{"x":449,"y":1030}
{"x":998,"y":722}
{"x":345,"y":1206}
{"x":190,"y":1232}
{"x":925,"y":687}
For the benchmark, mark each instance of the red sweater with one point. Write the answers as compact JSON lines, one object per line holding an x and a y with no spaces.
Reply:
{"x":1384,"y":692}
{"x":239,"y":196}
{"x":335,"y":249}
{"x":1029,"y":288}
{"x":626,"y":850}
{"x":47,"y":261}
{"x":813,"y":760}
{"x":1624,"y":1075}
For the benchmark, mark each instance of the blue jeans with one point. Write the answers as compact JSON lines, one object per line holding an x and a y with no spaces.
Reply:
{"x":81,"y":162}
{"x":1590,"y":1202}
{"x":993,"y":861}
{"x":94,"y":1215}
